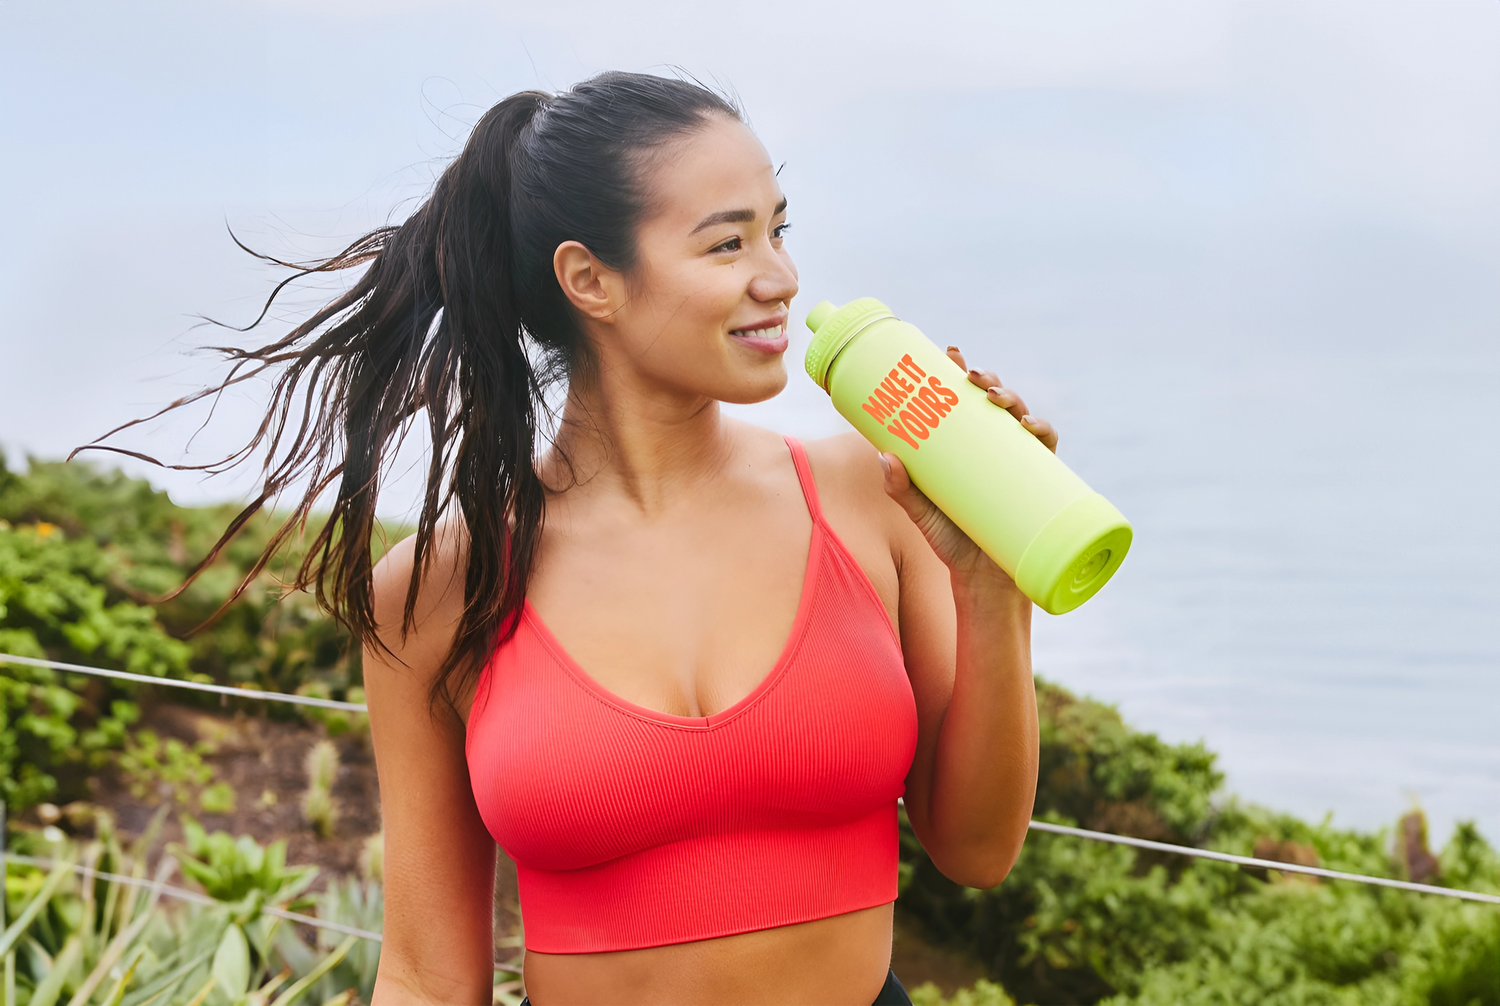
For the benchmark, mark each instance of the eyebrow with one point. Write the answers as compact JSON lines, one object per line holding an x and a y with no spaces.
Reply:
{"x":734,"y":217}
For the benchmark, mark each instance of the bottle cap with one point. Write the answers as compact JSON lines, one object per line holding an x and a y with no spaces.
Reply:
{"x":834,"y":328}
{"x":819,"y":314}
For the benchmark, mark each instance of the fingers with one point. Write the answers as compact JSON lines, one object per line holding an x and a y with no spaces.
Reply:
{"x":984,"y":378}
{"x":899,"y":488}
{"x":1042,"y":430}
{"x":1005,"y":398}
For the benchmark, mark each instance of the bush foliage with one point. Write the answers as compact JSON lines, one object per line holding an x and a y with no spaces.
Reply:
{"x":86,"y":560}
{"x":1084,"y":922}
{"x":86,"y":557}
{"x":148,"y":545}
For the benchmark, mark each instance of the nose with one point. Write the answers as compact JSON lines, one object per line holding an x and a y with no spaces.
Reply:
{"x":775,"y":277}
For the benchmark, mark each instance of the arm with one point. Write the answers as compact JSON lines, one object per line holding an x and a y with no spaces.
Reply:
{"x":966,"y":635}
{"x":439,"y":858}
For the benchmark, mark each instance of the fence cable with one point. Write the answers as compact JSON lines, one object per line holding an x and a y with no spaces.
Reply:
{"x":1056,"y":829}
{"x":146,"y":679}
{"x":1265,"y":864}
{"x":183,"y":894}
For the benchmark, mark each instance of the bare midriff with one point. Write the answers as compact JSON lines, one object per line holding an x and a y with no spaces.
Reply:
{"x":843,"y":959}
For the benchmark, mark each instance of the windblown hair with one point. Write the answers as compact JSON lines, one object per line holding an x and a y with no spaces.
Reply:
{"x":439,"y":325}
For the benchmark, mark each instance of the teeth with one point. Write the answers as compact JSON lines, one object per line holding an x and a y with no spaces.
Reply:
{"x":761,"y":333}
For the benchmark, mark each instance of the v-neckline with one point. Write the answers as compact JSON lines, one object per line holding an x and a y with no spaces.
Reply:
{"x":815,"y":547}
{"x":799,"y":622}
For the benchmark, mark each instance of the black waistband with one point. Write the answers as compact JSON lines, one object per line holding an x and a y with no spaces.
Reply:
{"x":892,"y":993}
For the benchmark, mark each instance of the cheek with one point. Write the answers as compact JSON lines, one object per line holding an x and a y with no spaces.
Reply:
{"x":673,"y":289}
{"x":698,"y":304}
{"x":680,"y":308}
{"x":674,"y":324}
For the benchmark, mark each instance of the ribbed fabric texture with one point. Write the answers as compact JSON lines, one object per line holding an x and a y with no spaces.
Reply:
{"x":634,"y":828}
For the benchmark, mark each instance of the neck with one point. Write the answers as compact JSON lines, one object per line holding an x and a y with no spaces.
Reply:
{"x":642,"y":444}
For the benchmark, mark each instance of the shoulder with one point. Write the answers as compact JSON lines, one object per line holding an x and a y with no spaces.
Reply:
{"x":439,"y":597}
{"x":848,"y":472}
{"x":849,"y":477}
{"x":851,"y":486}
{"x":846,"y":467}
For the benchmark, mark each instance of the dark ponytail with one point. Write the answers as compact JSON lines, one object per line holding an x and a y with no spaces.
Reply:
{"x":460,"y":318}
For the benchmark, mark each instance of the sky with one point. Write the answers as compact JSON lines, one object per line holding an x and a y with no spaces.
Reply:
{"x":1244,"y":254}
{"x":139,"y":134}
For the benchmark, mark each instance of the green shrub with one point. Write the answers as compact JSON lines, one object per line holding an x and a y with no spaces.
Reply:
{"x":265,"y":639}
{"x":218,"y":798}
{"x":53,"y":604}
{"x":983,"y":993}
{"x":86,"y":559}
{"x":1082,"y":922}
{"x":157,"y":770}
{"x":317,"y":803}
{"x":83,"y":556}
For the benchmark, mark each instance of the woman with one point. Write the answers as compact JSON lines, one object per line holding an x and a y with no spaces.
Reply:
{"x":687,"y":702}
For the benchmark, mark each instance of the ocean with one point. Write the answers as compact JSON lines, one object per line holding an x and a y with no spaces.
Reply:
{"x":1297,"y":404}
{"x":1245,"y":257}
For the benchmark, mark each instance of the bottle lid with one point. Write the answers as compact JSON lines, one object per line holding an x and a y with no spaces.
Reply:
{"x":833,"y":328}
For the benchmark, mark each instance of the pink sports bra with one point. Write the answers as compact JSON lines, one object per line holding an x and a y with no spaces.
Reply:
{"x":634,"y":828}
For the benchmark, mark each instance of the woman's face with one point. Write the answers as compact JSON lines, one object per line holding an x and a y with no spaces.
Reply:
{"x":704,"y":311}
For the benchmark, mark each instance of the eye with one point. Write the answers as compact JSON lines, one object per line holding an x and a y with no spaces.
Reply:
{"x":732,"y":245}
{"x":779,"y":231}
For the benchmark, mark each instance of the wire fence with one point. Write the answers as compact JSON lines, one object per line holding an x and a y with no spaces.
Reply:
{"x":1264,"y":864}
{"x":1044,"y":826}
{"x":183,"y":894}
{"x":196,"y":686}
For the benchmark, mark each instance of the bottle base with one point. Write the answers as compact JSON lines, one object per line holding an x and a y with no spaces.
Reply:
{"x":1074,"y":555}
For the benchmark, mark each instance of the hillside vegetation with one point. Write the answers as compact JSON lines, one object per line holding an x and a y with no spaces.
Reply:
{"x":86,"y":556}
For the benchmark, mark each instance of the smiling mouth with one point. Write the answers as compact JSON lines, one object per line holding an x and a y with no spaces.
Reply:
{"x":774,"y":332}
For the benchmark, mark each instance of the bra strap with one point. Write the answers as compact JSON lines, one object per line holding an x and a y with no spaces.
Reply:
{"x":805,"y":477}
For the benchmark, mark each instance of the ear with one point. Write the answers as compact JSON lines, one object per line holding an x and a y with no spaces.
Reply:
{"x":593,"y":287}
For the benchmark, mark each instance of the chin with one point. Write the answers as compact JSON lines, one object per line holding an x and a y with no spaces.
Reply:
{"x":750,"y":392}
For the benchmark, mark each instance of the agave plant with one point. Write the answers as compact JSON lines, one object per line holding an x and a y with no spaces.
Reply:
{"x":232,"y":869}
{"x":103,"y":941}
{"x":352,"y":903}
{"x":93,"y":939}
{"x":361,"y":905}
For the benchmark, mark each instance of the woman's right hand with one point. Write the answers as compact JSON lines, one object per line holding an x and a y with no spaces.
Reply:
{"x":948,"y":541}
{"x":955,"y":548}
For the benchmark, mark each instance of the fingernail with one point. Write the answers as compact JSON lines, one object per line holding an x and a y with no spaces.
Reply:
{"x":1028,"y":420}
{"x":953,"y":349}
{"x":997,"y":391}
{"x":885,"y":466}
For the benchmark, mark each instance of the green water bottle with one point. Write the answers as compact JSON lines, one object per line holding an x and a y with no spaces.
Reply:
{"x":1057,"y":538}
